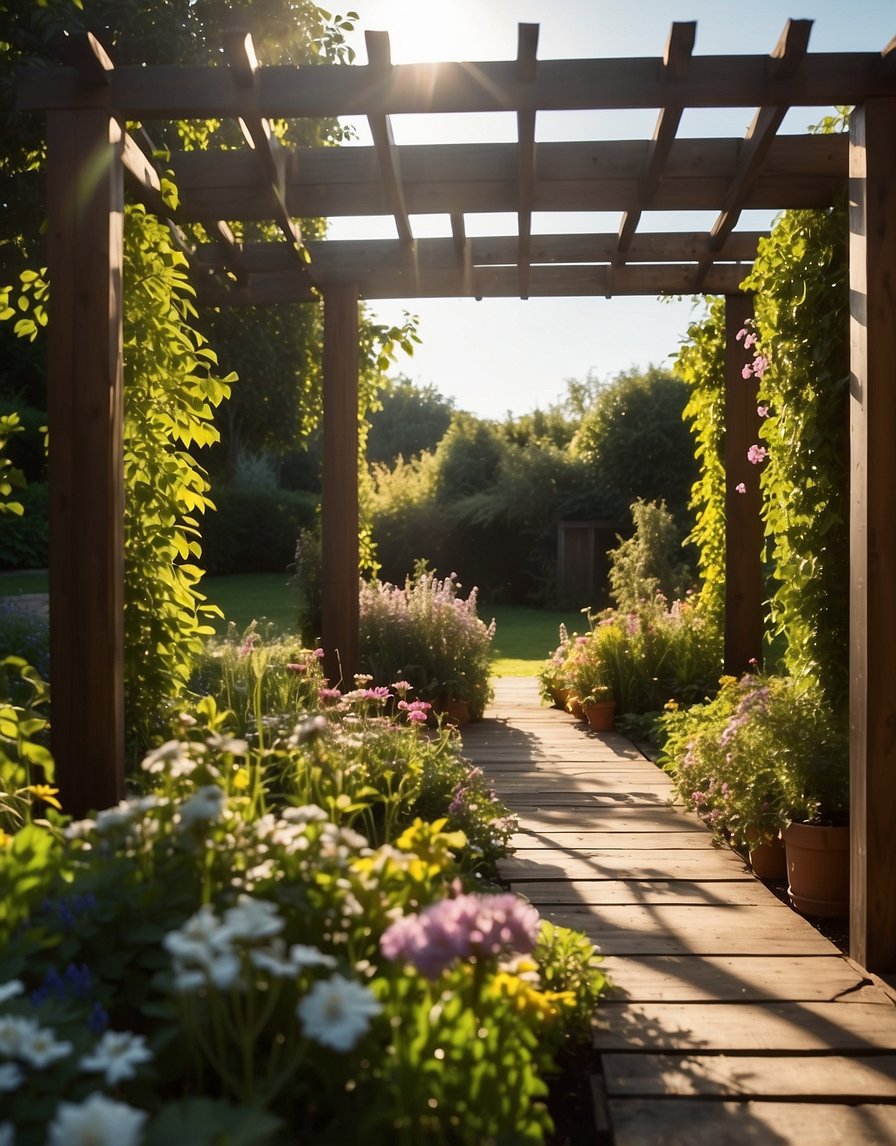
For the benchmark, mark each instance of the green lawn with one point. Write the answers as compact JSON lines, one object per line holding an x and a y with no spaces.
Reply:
{"x":523,"y":639}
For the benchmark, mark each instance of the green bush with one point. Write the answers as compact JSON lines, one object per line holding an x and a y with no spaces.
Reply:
{"x":24,"y":540}
{"x":254,"y":530}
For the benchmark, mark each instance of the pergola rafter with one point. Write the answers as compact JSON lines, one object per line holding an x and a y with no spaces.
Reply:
{"x":87,"y":104}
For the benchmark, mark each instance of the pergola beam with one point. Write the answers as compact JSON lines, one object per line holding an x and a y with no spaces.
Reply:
{"x":527,"y":69}
{"x":167,"y":92}
{"x":380,"y":56}
{"x":676,"y":58}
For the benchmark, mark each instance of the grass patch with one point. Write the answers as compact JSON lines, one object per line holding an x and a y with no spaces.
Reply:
{"x":18,"y":584}
{"x":525,"y":637}
{"x":248,"y":597}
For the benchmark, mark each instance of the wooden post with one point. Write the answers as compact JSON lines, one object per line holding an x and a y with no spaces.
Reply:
{"x":340,"y":482}
{"x":872,"y":656}
{"x":743,"y":524}
{"x":85,"y":216}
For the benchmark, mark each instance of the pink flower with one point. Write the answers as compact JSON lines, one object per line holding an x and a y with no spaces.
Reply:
{"x":760,"y":365}
{"x":749,"y":340}
{"x":296,"y":668}
{"x":757,"y":454}
{"x":762,"y":411}
{"x":740,"y":487}
{"x":747,"y":372}
{"x":325,"y":694}
{"x":466,"y":927}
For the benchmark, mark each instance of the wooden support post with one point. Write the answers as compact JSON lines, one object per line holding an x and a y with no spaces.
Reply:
{"x":340,"y":482}
{"x":743,"y":525}
{"x":872,"y":273}
{"x":85,"y":206}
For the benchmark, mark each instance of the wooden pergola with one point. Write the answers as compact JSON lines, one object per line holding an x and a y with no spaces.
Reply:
{"x":90,"y":153}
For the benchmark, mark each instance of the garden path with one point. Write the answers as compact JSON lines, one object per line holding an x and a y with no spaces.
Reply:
{"x":732,"y":1020}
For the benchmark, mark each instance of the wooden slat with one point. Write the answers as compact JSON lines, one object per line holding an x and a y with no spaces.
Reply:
{"x":168,"y":92}
{"x":780,"y":1027}
{"x":735,"y":978}
{"x":240,"y":53}
{"x":491,"y":282}
{"x":827,"y":1079}
{"x":379,"y":55}
{"x":527,"y":69}
{"x":659,"y":929}
{"x":691,"y":1122}
{"x":736,"y":891}
{"x":676,"y":58}
{"x":621,"y":864}
{"x":86,"y":509}
{"x":872,"y":630}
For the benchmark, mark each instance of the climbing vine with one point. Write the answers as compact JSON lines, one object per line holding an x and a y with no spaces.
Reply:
{"x":800,"y":278}
{"x":700,"y":363}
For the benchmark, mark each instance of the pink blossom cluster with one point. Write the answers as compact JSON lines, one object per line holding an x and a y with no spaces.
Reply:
{"x":415,"y":711}
{"x":466,"y":927}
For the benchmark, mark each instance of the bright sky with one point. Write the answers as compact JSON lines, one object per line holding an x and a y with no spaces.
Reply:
{"x":504,"y":356}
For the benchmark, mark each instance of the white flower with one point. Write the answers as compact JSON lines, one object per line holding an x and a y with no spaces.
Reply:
{"x":206,"y":804}
{"x":78,"y":829}
{"x":252,"y":919}
{"x":97,"y":1122}
{"x":117,"y":1054}
{"x":202,"y":952}
{"x":39,"y":1047}
{"x":302,"y":955}
{"x":11,"y":1077}
{"x":271,"y":959}
{"x":232,"y":744}
{"x":336,"y":1012}
{"x":25,"y":1039}
{"x":306,"y":814}
{"x":172,"y":756}
{"x":10,"y":989}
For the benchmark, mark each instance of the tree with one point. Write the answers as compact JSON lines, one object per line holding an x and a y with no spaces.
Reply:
{"x":410,"y":419}
{"x":637,"y":443}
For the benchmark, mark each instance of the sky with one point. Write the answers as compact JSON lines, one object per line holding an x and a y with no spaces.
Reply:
{"x":509,"y":356}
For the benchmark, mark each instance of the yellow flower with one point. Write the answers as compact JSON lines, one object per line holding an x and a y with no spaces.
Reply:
{"x":671,"y":705}
{"x":527,"y":999}
{"x":46,"y":793}
{"x":727,"y":681}
{"x":241,"y":779}
{"x":5,"y":839}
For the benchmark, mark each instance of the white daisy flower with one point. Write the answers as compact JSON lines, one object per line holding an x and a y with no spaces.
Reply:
{"x":117,"y":1055}
{"x":336,"y":1012}
{"x":99,"y":1121}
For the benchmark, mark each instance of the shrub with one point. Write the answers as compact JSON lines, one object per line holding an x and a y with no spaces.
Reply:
{"x":254,"y":529}
{"x":765,"y":751}
{"x":426,"y":634}
{"x":26,"y":537}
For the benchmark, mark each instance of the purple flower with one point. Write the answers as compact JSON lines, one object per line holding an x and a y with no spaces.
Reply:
{"x":757,"y":454}
{"x":467,"y":927}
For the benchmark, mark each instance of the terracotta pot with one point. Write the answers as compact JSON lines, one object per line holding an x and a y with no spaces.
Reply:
{"x":456,"y":711}
{"x":559,"y":696}
{"x":818,"y":869}
{"x":575,"y":707}
{"x":601,"y":715}
{"x":768,"y":858}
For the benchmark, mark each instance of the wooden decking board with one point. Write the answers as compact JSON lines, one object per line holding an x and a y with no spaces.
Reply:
{"x":730,"y":1021}
{"x":621,"y":863}
{"x":827,"y":1078}
{"x":696,"y":1122}
{"x":643,"y":893}
{"x":774,"y":1027}
{"x":734,"y":978}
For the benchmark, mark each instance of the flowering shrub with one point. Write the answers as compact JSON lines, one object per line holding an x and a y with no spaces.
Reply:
{"x":427,"y":634}
{"x":766,"y":751}
{"x":275,"y":976}
{"x":643,"y":658}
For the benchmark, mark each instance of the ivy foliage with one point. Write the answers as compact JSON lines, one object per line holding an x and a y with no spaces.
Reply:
{"x":171,"y":390}
{"x":802,"y":318}
{"x":700,"y":363}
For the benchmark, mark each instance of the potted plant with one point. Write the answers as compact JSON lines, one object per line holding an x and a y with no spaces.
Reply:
{"x":551,"y":676}
{"x":599,"y":708}
{"x":585,"y":678}
{"x":765,"y":760}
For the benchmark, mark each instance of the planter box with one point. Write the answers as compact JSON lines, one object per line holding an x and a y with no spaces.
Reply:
{"x":818,"y":869}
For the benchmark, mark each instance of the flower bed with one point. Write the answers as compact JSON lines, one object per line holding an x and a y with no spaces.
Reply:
{"x":285,"y":934}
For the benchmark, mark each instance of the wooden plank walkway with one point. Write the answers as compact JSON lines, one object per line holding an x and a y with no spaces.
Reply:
{"x":732,"y":1020}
